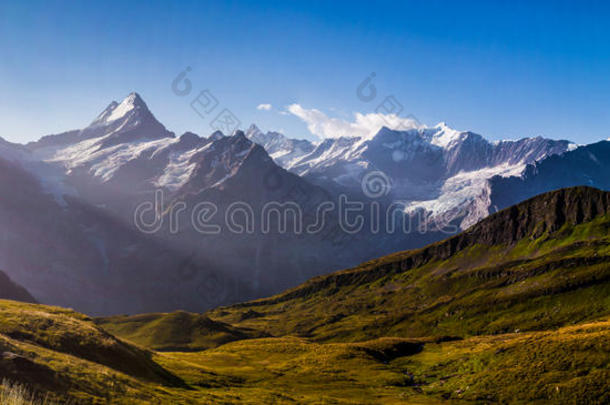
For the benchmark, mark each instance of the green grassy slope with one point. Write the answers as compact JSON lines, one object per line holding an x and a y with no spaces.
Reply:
{"x":541,"y":271}
{"x":178,"y":331}
{"x":567,"y":365}
{"x":60,"y":351}
{"x":542,"y":264}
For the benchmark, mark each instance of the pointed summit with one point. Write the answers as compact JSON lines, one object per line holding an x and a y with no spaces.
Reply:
{"x":216,"y":135}
{"x":134,"y":99}
{"x":253,"y":130}
{"x":124,"y":122}
{"x":239,"y":134}
{"x":444,"y":135}
{"x":132,"y":102}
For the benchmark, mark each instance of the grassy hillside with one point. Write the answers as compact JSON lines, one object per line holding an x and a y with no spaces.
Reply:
{"x":567,"y":365}
{"x":516,"y":309}
{"x":178,"y":331}
{"x":510,"y":272}
{"x":58,"y":351}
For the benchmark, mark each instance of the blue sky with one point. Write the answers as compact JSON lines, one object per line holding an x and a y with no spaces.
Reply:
{"x":502,"y":69}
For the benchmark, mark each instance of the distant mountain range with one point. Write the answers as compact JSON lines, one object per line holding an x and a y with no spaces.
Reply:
{"x":437,"y":169}
{"x":69,"y":221}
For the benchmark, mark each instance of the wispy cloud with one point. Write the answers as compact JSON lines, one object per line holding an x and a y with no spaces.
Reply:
{"x":264,"y":107}
{"x":363,"y":125}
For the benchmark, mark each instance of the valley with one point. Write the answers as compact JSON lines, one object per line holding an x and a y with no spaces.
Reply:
{"x":514,"y":309}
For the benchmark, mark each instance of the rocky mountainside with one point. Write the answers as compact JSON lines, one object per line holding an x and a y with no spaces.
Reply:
{"x":71,"y":253}
{"x":519,"y":231}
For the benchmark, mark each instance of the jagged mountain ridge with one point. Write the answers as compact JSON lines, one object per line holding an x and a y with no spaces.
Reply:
{"x":113,"y":167}
{"x":283,"y":150}
{"x":438,"y":170}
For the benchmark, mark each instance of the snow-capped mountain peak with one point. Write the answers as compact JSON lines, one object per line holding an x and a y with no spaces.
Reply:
{"x":106,"y":113}
{"x":132,"y":105}
{"x":120,"y":134}
{"x":435,"y":168}
{"x":444,"y":136}
{"x":253,"y":130}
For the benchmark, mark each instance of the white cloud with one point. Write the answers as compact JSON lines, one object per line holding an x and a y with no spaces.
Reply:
{"x":265,"y":107}
{"x":364,"y":125}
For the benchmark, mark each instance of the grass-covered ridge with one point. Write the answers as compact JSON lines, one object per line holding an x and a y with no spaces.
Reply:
{"x":557,"y":274}
{"x":177,"y":331}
